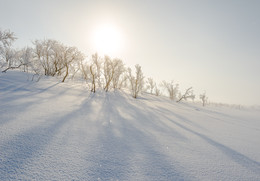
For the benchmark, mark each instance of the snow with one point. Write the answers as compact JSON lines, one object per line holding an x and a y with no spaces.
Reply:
{"x":60,"y":131}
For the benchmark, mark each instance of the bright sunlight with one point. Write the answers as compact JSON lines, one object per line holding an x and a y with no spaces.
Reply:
{"x":107,"y":39}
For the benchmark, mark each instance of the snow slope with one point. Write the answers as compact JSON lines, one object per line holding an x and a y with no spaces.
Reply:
{"x":60,"y":131}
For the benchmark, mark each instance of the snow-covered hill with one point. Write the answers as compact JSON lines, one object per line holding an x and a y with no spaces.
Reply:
{"x":60,"y":131}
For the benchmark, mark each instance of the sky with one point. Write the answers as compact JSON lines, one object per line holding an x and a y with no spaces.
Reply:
{"x":213,"y":46}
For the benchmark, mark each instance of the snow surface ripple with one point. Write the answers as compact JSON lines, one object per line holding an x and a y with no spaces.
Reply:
{"x":60,"y":131}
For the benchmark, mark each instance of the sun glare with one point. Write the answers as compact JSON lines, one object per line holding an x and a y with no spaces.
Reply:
{"x":107,"y":39}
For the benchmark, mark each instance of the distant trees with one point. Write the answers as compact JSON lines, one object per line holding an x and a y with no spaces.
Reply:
{"x":48,"y":57}
{"x":151,"y":84}
{"x":26,"y":57}
{"x":45,"y":54}
{"x":9,"y":56}
{"x":108,"y":72}
{"x":118,"y":77}
{"x":113,"y":69}
{"x":56,"y":58}
{"x":6,"y":38}
{"x":7,"y":53}
{"x":52,"y":58}
{"x":85,"y":70}
{"x":203,"y":98}
{"x":157,"y":90}
{"x":137,"y":81}
{"x":95,"y":72}
{"x":171,"y":88}
{"x":93,"y":76}
{"x":97,"y":63}
{"x":104,"y":73}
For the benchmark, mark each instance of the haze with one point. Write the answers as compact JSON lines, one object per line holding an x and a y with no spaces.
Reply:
{"x":213,"y":46}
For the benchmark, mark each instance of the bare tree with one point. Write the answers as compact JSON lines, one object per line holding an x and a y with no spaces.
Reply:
{"x":26,"y":58}
{"x":50,"y":54}
{"x":108,"y":72}
{"x":12,"y":67}
{"x":36,"y":65}
{"x":137,"y":81}
{"x":46,"y":58}
{"x":157,"y":90}
{"x":95,"y":72}
{"x":43,"y":54}
{"x":70,"y":55}
{"x":203,"y":98}
{"x":151,"y":84}
{"x":119,"y":69}
{"x":187,"y":95}
{"x":6,"y":38}
{"x":97,"y":62}
{"x":18,"y":58}
{"x":76,"y":67}
{"x":113,"y":69}
{"x":123,"y":80}
{"x":9,"y":56}
{"x":85,"y":70}
{"x":93,"y":77}
{"x":57,"y":57}
{"x":171,"y":88}
{"x":7,"y":53}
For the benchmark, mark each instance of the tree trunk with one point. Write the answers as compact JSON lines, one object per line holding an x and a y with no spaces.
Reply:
{"x":67,"y":73}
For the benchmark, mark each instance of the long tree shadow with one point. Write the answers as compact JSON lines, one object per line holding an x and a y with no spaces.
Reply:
{"x":25,"y":91}
{"x":127,"y":150}
{"x":237,"y":157}
{"x":20,"y":103}
{"x":135,"y":142}
{"x":17,"y":153}
{"x":243,"y":160}
{"x":163,"y":111}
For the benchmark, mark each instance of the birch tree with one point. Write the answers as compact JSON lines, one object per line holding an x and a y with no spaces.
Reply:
{"x":70,"y":55}
{"x":151,"y":84}
{"x":7,"y":53}
{"x":95,"y":72}
{"x":118,"y":77}
{"x":137,"y":81}
{"x":171,"y":88}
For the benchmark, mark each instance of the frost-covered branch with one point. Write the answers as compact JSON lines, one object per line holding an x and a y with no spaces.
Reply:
{"x":137,"y":81}
{"x":171,"y":88}
{"x":188,"y":94}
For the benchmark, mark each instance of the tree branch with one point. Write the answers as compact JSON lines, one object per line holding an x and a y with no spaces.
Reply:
{"x":4,"y":71}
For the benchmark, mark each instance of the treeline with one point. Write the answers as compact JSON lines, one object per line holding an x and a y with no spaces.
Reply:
{"x":52,"y":58}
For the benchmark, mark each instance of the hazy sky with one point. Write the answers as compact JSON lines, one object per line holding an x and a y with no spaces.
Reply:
{"x":213,"y":46}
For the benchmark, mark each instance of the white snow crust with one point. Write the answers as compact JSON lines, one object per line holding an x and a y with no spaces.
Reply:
{"x":60,"y":131}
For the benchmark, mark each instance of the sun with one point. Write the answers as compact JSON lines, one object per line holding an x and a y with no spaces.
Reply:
{"x":107,"y":39}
